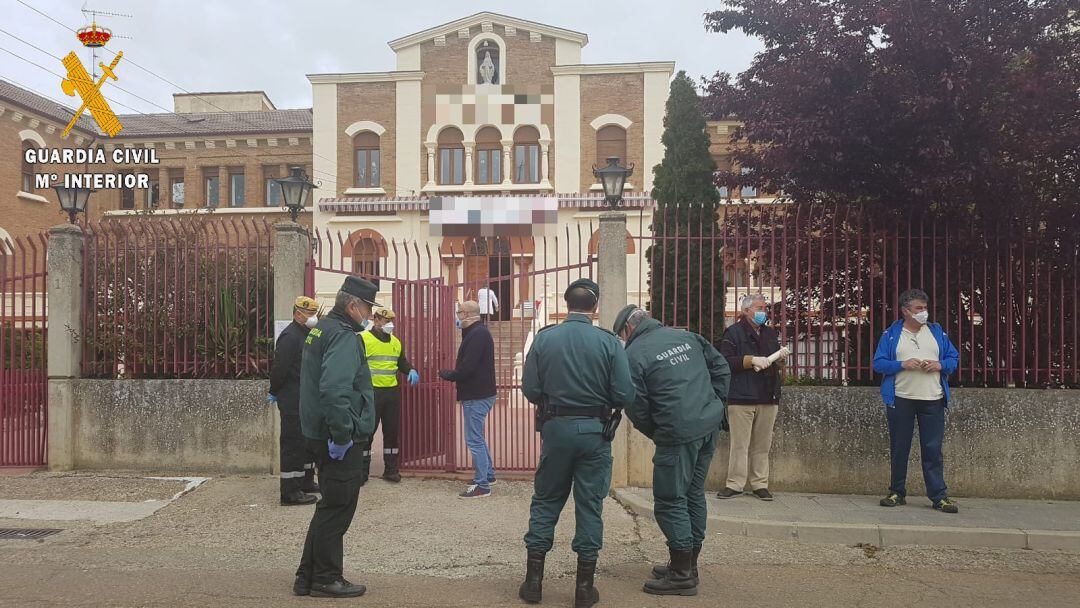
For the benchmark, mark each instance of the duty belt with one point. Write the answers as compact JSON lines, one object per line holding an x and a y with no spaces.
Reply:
{"x":595,"y":412}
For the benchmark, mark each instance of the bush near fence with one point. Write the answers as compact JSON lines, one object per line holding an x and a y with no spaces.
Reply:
{"x":1007,"y":299}
{"x":189,"y":298}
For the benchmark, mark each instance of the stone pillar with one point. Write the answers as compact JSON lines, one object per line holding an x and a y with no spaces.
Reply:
{"x":545,"y":178}
{"x":292,"y":250}
{"x":469,"y":147}
{"x":611,"y":270}
{"x":64,"y":262}
{"x":508,"y":165}
{"x":523,"y":283}
{"x":430,"y":167}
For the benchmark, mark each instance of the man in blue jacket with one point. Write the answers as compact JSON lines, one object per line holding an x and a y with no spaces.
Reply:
{"x":474,"y":375}
{"x":916,"y":358}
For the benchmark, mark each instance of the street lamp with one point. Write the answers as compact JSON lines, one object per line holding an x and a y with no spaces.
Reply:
{"x":73,"y":200}
{"x":613,"y":178}
{"x":295,"y":190}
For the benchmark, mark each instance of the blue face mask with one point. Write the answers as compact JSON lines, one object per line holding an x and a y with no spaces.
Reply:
{"x":760,"y":317}
{"x":457,"y":323}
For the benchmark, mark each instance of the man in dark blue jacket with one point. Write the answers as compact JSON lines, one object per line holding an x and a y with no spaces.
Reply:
{"x":474,"y":375}
{"x":916,"y":358}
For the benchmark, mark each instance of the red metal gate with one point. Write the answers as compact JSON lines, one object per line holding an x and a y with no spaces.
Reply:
{"x":23,"y":378}
{"x":425,"y":281}
{"x":425,"y":310}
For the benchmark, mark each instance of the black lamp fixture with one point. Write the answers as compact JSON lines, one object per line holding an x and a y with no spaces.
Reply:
{"x":295,"y":190}
{"x":613,"y":178}
{"x":73,"y":200}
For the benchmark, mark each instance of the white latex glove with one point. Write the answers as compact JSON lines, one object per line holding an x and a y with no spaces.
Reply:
{"x":783,"y":353}
{"x":760,"y":363}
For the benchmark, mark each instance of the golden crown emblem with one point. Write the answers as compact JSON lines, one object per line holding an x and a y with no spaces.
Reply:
{"x":94,"y":35}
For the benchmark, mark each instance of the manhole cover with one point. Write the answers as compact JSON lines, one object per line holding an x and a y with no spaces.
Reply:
{"x":26,"y":533}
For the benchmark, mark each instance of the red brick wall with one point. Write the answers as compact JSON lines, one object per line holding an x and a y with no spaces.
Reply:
{"x":613,"y":94}
{"x":377,"y":102}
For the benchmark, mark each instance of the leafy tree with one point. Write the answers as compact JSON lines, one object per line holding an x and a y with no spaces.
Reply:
{"x":686,"y":271}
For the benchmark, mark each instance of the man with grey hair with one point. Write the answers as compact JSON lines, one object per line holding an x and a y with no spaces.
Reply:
{"x":474,"y":375}
{"x":754,"y":354}
{"x":337,"y":417}
{"x":915,"y":358}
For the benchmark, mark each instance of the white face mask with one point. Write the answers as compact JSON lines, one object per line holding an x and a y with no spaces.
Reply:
{"x":388,"y":328}
{"x":921,"y":317}
{"x":311,"y":321}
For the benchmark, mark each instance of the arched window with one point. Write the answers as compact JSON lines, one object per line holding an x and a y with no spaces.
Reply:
{"x":366,"y":155}
{"x":610,"y":141}
{"x":526,"y":155}
{"x":367,"y":249}
{"x":27,"y":168}
{"x":489,"y":154}
{"x":451,"y":157}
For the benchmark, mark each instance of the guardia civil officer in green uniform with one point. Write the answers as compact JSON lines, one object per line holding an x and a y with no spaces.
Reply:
{"x":680,"y":382}
{"x":577,"y":376}
{"x":337,"y":417}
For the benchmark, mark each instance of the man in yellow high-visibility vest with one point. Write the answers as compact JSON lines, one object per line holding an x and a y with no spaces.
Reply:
{"x":386,"y":358}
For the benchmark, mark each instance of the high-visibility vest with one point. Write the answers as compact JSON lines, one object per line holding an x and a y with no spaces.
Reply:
{"x":382,"y":359}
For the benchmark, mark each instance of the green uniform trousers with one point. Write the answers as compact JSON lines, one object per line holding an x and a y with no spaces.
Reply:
{"x":340,"y":482}
{"x":679,"y":473}
{"x":574,"y":455}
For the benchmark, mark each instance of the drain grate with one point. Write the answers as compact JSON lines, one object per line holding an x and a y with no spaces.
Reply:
{"x":26,"y":533}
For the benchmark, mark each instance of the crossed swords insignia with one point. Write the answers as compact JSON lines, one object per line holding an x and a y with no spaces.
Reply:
{"x":79,"y":81}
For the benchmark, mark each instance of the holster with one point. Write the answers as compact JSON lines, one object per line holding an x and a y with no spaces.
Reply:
{"x":544,"y":412}
{"x":612,"y":424}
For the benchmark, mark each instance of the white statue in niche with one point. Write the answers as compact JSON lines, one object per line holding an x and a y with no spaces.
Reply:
{"x":487,"y":69}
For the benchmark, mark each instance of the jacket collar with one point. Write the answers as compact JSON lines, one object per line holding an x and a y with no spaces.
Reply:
{"x":579,"y":317}
{"x":643,"y":328}
{"x":346,"y":319}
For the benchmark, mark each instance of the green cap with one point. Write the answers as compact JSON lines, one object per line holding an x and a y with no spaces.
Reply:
{"x":622,"y":317}
{"x":587,"y":284}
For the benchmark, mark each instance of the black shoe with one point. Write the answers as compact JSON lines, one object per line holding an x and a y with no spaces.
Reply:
{"x":338,"y":588}
{"x":532,"y":590}
{"x":391,"y":476}
{"x":892,"y":500}
{"x":301,"y":586}
{"x":727,"y":493}
{"x":679,"y":579}
{"x":311,"y":488}
{"x":659,"y":571}
{"x":298,"y":498}
{"x":585,"y":594}
{"x":947,"y":505}
{"x":763,"y":494}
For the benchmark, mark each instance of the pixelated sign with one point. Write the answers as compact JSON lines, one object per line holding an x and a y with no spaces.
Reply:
{"x":493,"y":215}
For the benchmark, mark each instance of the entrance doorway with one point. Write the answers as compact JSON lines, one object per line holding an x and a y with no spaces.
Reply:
{"x":488,"y":264}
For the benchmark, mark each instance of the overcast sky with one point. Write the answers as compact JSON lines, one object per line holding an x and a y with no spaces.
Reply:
{"x":206,"y":45}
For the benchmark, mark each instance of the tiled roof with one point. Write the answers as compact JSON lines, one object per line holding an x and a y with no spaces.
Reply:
{"x":44,"y":106}
{"x":215,"y":123}
{"x":166,"y":125}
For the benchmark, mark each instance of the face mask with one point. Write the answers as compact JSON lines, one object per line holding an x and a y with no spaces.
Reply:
{"x":622,"y":342}
{"x":760,"y":317}
{"x":366,"y":324}
{"x":457,"y":323}
{"x":311,"y":321}
{"x":922,"y":317}
{"x":388,"y":328}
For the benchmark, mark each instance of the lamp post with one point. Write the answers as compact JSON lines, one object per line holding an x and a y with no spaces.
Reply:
{"x":613,"y":178}
{"x":295,"y":190}
{"x":73,"y":200}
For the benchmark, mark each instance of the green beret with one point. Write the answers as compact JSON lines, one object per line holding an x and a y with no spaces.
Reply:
{"x":622,"y":317}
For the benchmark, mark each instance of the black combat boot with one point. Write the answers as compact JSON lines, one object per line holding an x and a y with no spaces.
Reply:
{"x":679,"y":580}
{"x":585,"y":595}
{"x":660,"y":570}
{"x":532,"y":590}
{"x":390,"y":472}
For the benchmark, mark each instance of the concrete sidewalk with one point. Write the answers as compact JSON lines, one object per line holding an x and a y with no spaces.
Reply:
{"x":851,"y":520}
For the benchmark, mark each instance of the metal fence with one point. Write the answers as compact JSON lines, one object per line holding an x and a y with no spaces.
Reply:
{"x":23,"y":356}
{"x":189,"y":298}
{"x":1007,"y":299}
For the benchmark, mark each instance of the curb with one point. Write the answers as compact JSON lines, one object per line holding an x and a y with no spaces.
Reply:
{"x":881,"y":535}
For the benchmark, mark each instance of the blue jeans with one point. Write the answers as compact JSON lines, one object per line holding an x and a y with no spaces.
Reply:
{"x":475,"y":414}
{"x":931,"y":418}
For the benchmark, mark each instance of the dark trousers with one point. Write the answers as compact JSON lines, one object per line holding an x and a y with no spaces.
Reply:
{"x":931,"y":418}
{"x":388,"y":416}
{"x":340,"y":480}
{"x":679,"y":473}
{"x":297,"y":467}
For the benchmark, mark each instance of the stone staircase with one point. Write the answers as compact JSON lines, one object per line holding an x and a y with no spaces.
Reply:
{"x":509,"y":338}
